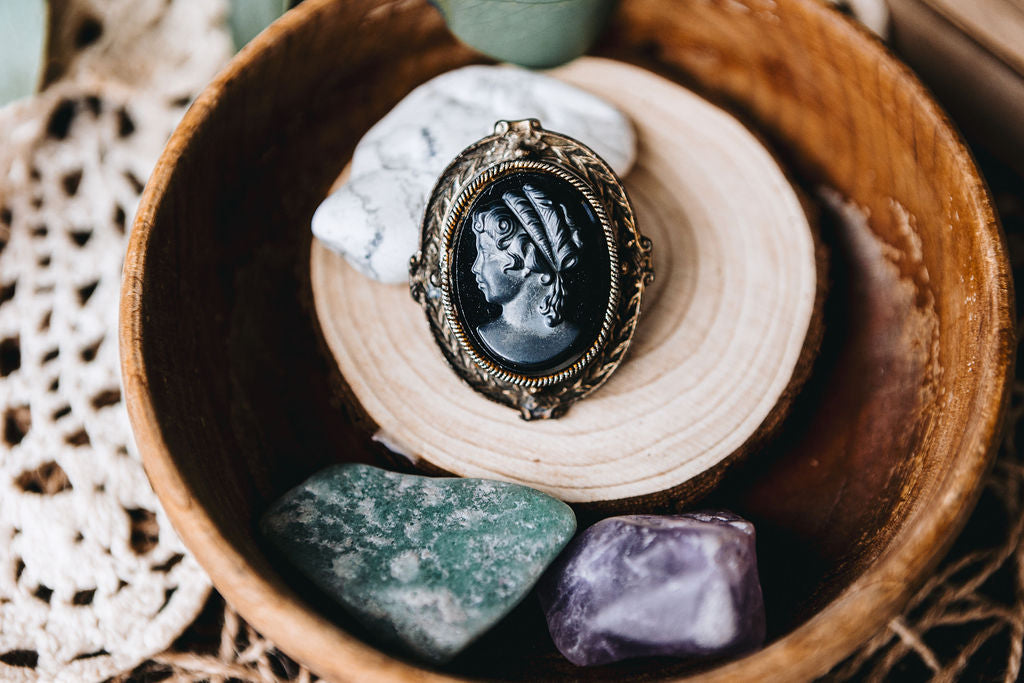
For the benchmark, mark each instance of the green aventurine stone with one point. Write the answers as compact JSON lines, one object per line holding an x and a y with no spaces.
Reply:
{"x":429,"y":563}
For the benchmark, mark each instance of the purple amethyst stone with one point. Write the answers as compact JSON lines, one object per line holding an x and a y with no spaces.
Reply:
{"x":648,"y":585}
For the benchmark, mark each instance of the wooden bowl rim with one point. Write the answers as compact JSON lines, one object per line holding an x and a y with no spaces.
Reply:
{"x":876,"y":596}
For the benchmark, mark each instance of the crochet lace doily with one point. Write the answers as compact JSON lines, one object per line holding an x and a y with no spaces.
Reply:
{"x":92,"y":577}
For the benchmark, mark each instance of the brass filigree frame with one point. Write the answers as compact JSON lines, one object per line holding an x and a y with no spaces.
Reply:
{"x":516,"y":146}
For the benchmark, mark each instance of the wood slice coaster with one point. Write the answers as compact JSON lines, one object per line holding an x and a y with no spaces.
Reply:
{"x":726,"y":335}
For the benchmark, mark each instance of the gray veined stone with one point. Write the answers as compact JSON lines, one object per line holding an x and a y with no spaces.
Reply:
{"x":374,"y":219}
{"x":653,"y":585}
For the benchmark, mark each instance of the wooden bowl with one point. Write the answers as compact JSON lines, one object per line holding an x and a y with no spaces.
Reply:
{"x":234,"y":397}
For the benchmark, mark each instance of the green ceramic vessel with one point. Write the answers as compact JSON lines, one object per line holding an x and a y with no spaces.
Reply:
{"x":532,"y":33}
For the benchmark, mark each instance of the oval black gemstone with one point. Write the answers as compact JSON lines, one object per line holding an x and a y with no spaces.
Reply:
{"x":531,"y":278}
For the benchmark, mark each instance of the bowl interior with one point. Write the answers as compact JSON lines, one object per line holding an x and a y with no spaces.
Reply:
{"x":235,"y":398}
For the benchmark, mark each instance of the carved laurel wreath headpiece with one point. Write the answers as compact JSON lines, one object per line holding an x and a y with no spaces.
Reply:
{"x":554,"y":235}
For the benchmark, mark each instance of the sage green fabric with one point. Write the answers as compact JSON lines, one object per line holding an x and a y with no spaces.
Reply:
{"x":23,"y":30}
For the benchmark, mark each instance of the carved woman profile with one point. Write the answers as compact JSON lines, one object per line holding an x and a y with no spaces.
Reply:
{"x":525,"y":246}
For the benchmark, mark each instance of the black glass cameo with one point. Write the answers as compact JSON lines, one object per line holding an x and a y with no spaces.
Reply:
{"x":531,"y":269}
{"x":530,"y":278}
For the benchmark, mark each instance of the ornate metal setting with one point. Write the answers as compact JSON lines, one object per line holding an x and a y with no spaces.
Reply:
{"x":531,"y":269}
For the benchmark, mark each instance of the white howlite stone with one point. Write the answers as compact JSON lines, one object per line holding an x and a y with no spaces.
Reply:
{"x":374,"y":219}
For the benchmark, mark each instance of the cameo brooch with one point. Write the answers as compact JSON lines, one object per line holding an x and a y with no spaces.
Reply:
{"x":531,"y":269}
